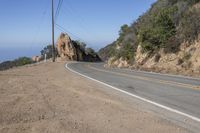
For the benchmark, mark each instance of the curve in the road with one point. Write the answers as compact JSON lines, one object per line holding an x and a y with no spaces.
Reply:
{"x":150,"y":79}
{"x":139,"y":97}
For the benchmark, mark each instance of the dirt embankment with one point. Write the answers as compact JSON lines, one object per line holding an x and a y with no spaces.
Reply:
{"x":48,"y":98}
{"x":185,"y":62}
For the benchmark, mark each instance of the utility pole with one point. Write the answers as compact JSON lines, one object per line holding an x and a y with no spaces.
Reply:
{"x":53,"y":47}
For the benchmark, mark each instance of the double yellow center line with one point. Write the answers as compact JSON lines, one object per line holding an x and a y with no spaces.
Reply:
{"x":195,"y":87}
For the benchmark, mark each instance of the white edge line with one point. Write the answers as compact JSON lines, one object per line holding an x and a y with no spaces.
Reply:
{"x":138,"y":97}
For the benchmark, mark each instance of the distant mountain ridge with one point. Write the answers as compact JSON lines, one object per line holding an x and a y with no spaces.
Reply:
{"x":166,"y":39}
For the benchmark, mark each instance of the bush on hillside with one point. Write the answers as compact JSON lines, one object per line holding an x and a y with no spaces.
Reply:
{"x":15,"y":63}
{"x":167,"y":24}
{"x":107,"y":52}
{"x":155,"y":35}
{"x":22,"y":61}
{"x":48,"y":51}
{"x":189,"y":28}
{"x":82,"y":45}
{"x":127,"y":53}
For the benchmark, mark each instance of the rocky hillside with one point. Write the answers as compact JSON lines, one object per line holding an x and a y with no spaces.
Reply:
{"x":166,"y":39}
{"x":71,"y":50}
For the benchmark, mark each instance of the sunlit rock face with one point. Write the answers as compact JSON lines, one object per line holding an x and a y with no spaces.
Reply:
{"x":69,"y":50}
{"x":65,"y":47}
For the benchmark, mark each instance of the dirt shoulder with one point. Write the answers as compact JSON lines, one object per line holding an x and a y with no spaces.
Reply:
{"x":48,"y":98}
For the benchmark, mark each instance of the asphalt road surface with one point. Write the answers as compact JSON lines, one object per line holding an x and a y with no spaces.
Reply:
{"x":177,"y":95}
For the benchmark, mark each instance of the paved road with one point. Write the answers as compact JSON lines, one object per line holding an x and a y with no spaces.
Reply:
{"x":175,"y":92}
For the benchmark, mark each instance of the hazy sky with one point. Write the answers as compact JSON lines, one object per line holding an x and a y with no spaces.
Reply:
{"x":27,"y":23}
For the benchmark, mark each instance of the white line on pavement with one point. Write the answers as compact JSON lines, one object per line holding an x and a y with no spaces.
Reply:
{"x":138,"y":97}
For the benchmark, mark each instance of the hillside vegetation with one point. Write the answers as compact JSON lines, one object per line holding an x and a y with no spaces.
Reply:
{"x":21,"y":61}
{"x":168,"y":31}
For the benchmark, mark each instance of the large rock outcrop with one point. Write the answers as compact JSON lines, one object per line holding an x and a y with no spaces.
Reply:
{"x":65,"y":47}
{"x":70,"y":50}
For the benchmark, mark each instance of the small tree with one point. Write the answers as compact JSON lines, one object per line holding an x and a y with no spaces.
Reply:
{"x":48,"y":51}
{"x":156,"y":33}
{"x":123,"y":31}
{"x":90,"y":51}
{"x":81,"y":44}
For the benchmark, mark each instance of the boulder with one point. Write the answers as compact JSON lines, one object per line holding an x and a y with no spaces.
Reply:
{"x":70,"y":50}
{"x":36,"y":58}
{"x":65,"y":47}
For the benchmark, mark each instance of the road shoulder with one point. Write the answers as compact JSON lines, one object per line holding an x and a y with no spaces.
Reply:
{"x":49,"y":98}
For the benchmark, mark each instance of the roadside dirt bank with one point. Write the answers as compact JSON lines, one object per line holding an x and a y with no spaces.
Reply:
{"x":47,"y":98}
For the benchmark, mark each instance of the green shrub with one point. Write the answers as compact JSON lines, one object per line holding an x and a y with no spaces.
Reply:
{"x":90,"y":51}
{"x":186,"y":56}
{"x":165,"y":25}
{"x":48,"y":51}
{"x":15,"y":63}
{"x":189,"y":25}
{"x":127,"y":52}
{"x":23,"y":61}
{"x":108,"y":51}
{"x":155,"y":34}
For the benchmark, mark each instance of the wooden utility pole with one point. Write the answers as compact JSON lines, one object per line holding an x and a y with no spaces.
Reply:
{"x":53,"y":47}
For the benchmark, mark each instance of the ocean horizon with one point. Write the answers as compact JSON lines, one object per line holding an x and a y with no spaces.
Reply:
{"x":8,"y":54}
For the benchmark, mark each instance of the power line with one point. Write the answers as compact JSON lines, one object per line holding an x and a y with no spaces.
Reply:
{"x":80,"y":22}
{"x":75,"y":12}
{"x":66,"y":31}
{"x":58,"y":9}
{"x":62,"y":28}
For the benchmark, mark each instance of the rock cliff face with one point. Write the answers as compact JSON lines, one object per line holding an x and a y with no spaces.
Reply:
{"x":186,"y":61}
{"x":70,"y":50}
{"x":65,"y":47}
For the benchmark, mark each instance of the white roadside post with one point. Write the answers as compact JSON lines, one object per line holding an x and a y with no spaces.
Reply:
{"x":45,"y":57}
